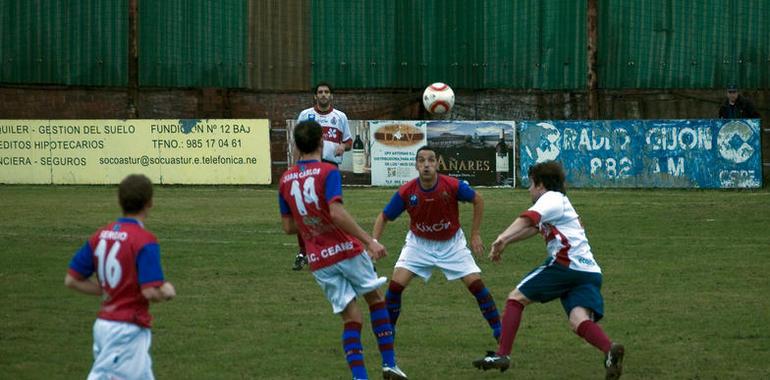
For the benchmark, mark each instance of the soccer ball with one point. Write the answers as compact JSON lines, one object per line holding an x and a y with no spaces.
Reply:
{"x":438,"y":98}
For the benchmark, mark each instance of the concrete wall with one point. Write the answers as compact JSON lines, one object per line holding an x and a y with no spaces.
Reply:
{"x":37,"y":102}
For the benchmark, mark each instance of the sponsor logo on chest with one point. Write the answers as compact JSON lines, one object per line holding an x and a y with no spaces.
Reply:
{"x":442,"y":225}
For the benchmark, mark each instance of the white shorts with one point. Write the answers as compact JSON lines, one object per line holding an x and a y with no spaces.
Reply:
{"x":121,"y":351}
{"x":452,"y":256}
{"x":341,"y":282}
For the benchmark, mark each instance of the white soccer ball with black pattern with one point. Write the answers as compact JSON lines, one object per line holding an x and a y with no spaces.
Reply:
{"x":438,"y":98}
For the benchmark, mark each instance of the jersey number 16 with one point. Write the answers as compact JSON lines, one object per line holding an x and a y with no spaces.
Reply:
{"x":108,"y":268}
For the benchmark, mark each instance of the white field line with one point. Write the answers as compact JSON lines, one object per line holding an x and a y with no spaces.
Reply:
{"x":161,"y":239}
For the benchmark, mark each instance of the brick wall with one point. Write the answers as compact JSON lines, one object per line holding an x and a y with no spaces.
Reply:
{"x":37,"y":102}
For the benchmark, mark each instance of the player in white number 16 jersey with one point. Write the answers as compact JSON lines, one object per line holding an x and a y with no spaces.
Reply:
{"x":126,"y":260}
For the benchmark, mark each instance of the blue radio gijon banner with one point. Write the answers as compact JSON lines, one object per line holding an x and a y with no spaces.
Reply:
{"x":708,"y":153}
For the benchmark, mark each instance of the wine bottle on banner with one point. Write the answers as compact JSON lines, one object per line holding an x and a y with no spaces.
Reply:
{"x":358,"y":155}
{"x":502,"y":167}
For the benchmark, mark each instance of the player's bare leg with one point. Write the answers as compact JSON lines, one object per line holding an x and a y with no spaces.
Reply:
{"x":403,"y":276}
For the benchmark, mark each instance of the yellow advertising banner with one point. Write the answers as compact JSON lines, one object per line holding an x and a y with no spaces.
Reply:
{"x":187,"y":151}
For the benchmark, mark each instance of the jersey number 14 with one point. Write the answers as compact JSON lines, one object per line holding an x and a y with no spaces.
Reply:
{"x":307,"y":192}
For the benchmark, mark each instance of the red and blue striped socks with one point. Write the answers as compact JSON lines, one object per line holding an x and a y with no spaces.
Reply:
{"x":487,"y":306}
{"x":383,"y":330}
{"x":393,"y":299}
{"x":354,"y":351}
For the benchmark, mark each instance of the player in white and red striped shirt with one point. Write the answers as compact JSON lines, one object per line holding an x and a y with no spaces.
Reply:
{"x":570,"y":272}
{"x":336,"y":135}
{"x":336,"y":129}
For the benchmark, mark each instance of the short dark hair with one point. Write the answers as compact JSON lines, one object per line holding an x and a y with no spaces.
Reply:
{"x":308,"y":135}
{"x":322,"y":84}
{"x":134,"y":193}
{"x":550,"y":174}
{"x":424,"y":147}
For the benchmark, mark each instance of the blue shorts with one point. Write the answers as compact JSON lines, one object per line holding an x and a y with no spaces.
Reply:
{"x":573,"y":287}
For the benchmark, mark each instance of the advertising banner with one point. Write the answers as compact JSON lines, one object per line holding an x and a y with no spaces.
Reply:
{"x":356,"y":163}
{"x":383,"y":152}
{"x":480,"y":152}
{"x":646,"y":153}
{"x":393,"y":150}
{"x":190,"y":151}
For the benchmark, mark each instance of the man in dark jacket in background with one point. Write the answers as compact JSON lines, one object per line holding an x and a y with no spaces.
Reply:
{"x":737,"y":106}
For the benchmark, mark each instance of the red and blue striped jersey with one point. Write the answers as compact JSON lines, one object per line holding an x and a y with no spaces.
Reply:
{"x":126,"y":259}
{"x":434,"y":213}
{"x":305,"y":192}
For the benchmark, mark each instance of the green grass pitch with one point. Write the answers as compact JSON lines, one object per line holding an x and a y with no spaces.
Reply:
{"x":685,"y":284}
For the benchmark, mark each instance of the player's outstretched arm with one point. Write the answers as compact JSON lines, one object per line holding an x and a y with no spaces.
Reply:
{"x":165,"y":292}
{"x":379,"y":226}
{"x":520,"y":229}
{"x":85,"y":285}
{"x":343,"y":220}
{"x":477,"y":245}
